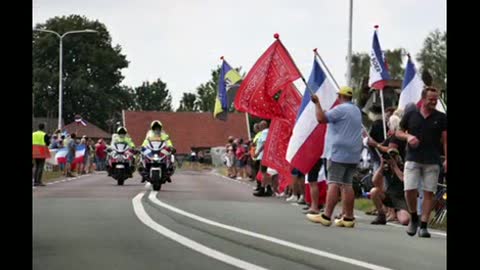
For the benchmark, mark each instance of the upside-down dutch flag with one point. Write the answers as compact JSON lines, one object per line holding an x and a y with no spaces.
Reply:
{"x":79,"y":153}
{"x":61,"y":155}
{"x":306,"y":144}
{"x":412,"y":88}
{"x":79,"y":120}
{"x":378,"y":75}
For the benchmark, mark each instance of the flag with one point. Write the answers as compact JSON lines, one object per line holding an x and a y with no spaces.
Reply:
{"x":79,"y":153}
{"x":306,"y":144}
{"x":80,"y":121}
{"x":62,"y":153}
{"x":412,"y":87}
{"x":227,"y":88}
{"x":378,"y":69}
{"x":272,"y":71}
{"x":280,"y":131}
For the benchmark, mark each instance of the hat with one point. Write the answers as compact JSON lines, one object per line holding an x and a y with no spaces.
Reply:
{"x":156,"y":123}
{"x":346,"y":91}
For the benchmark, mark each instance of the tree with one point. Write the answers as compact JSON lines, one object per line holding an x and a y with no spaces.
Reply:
{"x":188,"y":103}
{"x":207,"y":92}
{"x":360,"y":69}
{"x":433,"y":57}
{"x":91,"y":71}
{"x":153,"y":97}
{"x":394,"y":60}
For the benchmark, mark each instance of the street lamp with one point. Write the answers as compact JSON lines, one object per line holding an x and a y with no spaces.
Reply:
{"x":60,"y":69}
{"x":349,"y":52}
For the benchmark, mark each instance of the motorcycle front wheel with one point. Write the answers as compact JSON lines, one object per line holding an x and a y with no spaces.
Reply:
{"x":156,"y":181}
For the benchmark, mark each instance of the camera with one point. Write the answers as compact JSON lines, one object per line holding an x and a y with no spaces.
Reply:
{"x":386,"y":155}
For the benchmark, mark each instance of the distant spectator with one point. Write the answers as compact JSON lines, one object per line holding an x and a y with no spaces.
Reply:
{"x":100,"y":155}
{"x":54,"y":144}
{"x":71,"y":155}
{"x":241,"y":156}
{"x":40,"y":142}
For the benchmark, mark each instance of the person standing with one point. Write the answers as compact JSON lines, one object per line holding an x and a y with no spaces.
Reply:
{"x":40,"y":152}
{"x":425,"y":131}
{"x":345,"y":124}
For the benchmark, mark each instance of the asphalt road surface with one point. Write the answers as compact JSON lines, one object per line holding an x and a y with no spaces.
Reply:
{"x":204,"y":221}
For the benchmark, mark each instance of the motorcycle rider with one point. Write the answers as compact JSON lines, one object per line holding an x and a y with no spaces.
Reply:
{"x":156,"y":133}
{"x":122,"y":137}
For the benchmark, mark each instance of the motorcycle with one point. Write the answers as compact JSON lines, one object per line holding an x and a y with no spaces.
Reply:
{"x":120,"y":161}
{"x":158,"y":163}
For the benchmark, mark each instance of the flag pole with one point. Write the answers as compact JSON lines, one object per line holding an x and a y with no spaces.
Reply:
{"x":383,"y":114}
{"x":248,"y":126}
{"x":326,"y":68}
{"x":349,"y":53}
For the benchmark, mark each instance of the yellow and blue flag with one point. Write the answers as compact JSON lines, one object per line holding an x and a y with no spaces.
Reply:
{"x":227,"y":88}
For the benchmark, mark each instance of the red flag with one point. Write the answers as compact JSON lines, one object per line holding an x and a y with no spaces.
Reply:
{"x":273,"y":70}
{"x":280,"y":131}
{"x":275,"y":148}
{"x":290,"y":101}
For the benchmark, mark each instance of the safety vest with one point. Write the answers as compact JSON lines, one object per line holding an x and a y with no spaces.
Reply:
{"x":152,"y":137}
{"x":39,"y":148}
{"x":126,"y":140}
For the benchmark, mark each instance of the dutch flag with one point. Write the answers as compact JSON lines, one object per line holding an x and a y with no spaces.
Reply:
{"x":306,"y":144}
{"x":378,"y":69}
{"x":412,"y":88}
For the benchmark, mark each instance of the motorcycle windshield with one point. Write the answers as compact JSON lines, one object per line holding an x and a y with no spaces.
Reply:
{"x":120,"y":147}
{"x":156,"y":145}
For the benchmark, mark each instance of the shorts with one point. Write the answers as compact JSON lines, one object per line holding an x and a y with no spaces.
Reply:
{"x":340,"y":173}
{"x":70,"y":158}
{"x":297,"y":173}
{"x":241,"y":163}
{"x":312,"y":176}
{"x":425,"y":174}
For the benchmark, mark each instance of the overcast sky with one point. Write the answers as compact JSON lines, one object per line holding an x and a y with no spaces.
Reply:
{"x":181,"y":41}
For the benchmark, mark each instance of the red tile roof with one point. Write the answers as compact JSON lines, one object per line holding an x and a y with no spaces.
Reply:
{"x":187,"y":129}
{"x":91,"y":131}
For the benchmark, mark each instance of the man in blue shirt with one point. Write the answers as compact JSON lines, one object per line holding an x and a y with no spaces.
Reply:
{"x":345,"y":131}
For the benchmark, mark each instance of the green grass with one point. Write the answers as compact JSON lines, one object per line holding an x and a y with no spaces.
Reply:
{"x":364,"y":204}
{"x":223,"y":171}
{"x":51,"y":176}
{"x":194,"y":166}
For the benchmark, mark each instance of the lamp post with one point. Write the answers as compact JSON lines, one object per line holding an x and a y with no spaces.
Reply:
{"x":60,"y":69}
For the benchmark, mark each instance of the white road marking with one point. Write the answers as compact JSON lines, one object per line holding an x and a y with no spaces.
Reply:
{"x":145,"y":218}
{"x":153,"y":198}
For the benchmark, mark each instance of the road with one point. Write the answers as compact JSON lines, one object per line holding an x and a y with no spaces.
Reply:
{"x":204,"y":221}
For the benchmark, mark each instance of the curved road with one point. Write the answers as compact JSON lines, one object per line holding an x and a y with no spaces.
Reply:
{"x":204,"y":221}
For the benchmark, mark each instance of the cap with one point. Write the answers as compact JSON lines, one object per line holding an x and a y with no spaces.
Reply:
{"x":346,"y":91}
